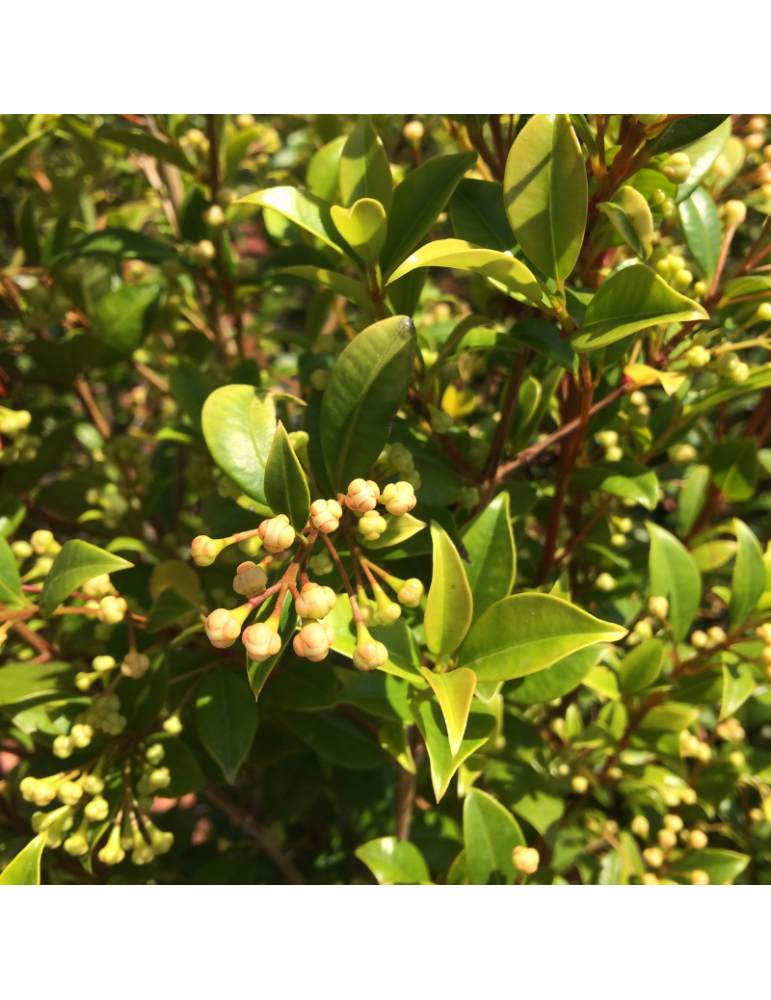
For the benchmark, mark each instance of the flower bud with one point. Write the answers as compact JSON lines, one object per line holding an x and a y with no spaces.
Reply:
{"x":673,"y":822}
{"x":579,"y":784}
{"x":134,"y":665}
{"x":525,"y":859}
{"x":173,"y":725}
{"x":205,"y":550}
{"x":112,"y":610}
{"x":224,"y":627}
{"x":315,"y":601}
{"x":699,"y":639}
{"x":643,"y":629}
{"x":731,"y":730}
{"x":81,"y":735}
{"x":41,"y":541}
{"x":112,"y":853}
{"x":93,"y":784}
{"x":276,"y":533}
{"x":372,"y":525}
{"x":716,"y":635}
{"x":605,"y":582}
{"x":98,"y":586}
{"x":617,"y":540}
{"x":740,"y":372}
{"x":411,"y":592}
{"x":325,"y":515}
{"x":653,"y":857}
{"x":70,"y":793}
{"x":155,"y":754}
{"x":735,"y":212}
{"x":83,"y":680}
{"x":250,"y":579}
{"x":737,"y":759}
{"x":313,"y":641}
{"x":363,"y":495}
{"x":399,"y":498}
{"x":640,"y":826}
{"x":214,"y":216}
{"x":76,"y":845}
{"x":607,"y":439}
{"x":469,"y":497}
{"x":27,"y":787}
{"x":699,"y":877}
{"x":97,"y":810}
{"x":102,"y":664}
{"x":62,"y":747}
{"x":650,"y":119}
{"x":667,"y":839}
{"x":114,"y":723}
{"x":160,"y":777}
{"x":698,"y":839}
{"x":400,"y":458}
{"x":658,"y":606}
{"x":261,"y":641}
{"x":107,"y":704}
{"x":614,"y":454}
{"x":763,"y":632}
{"x":676,"y":167}
{"x":413,"y":132}
{"x":648,"y":878}
{"x":368,"y":654}
{"x":697,"y":357}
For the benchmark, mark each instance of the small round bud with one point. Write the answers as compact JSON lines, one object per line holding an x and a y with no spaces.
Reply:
{"x":614,"y":454}
{"x":155,"y":754}
{"x":69,"y":793}
{"x":41,"y":541}
{"x":716,"y":635}
{"x":740,"y":372}
{"x":399,"y":498}
{"x":214,"y":216}
{"x":677,"y":167}
{"x":315,"y":601}
{"x":83,"y":680}
{"x":684,"y":453}
{"x":615,"y":773}
{"x":648,"y":878}
{"x":735,"y":212}
{"x":640,"y":826}
{"x":525,"y":859}
{"x":756,"y":815}
{"x":650,"y":119}
{"x":698,"y":839}
{"x":410,"y":593}
{"x":93,"y":784}
{"x":667,"y":839}
{"x":372,"y":525}
{"x":638,"y":398}
{"x":700,"y":289}
{"x":261,"y":641}
{"x":27,"y":788}
{"x":699,"y":877}
{"x":730,"y":730}
{"x":653,"y":857}
{"x":763,"y":313}
{"x":112,"y":610}
{"x":703,"y":752}
{"x":579,"y":784}
{"x":21,"y":549}
{"x":658,"y":606}
{"x":608,"y":439}
{"x":81,"y":735}
{"x":97,"y":810}
{"x":764,"y":632}
{"x":134,"y":665}
{"x":222,"y":628}
{"x":369,"y":654}
{"x":668,"y":208}
{"x":617,"y":540}
{"x":313,"y":641}
{"x":160,"y":777}
{"x":469,"y":497}
{"x":114,"y":723}
{"x":736,"y":759}
{"x":673,"y":822}
{"x":205,"y":550}
{"x":62,"y":747}
{"x":98,"y":586}
{"x":276,"y":533}
{"x":173,"y":725}
{"x":325,"y":515}
{"x":699,"y":639}
{"x":643,"y":629}
{"x":605,"y":582}
{"x":76,"y":845}
{"x":102,"y":664}
{"x":697,"y":357}
{"x":363,"y":495}
{"x":250,"y":579}
{"x":413,"y":131}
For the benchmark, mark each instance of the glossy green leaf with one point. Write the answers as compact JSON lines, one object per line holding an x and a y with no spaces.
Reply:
{"x":403,"y":659}
{"x":701,"y":228}
{"x":641,"y":666}
{"x":379,"y":694}
{"x":393,"y":738}
{"x":336,"y":738}
{"x":532,"y":797}
{"x":398,"y":530}
{"x":393,"y":861}
{"x":674,"y":575}
{"x":734,"y":467}
{"x":683,"y":132}
{"x":631,"y":299}
{"x":702,"y":155}
{"x":449,"y":605}
{"x":239,"y":424}
{"x":417,"y":202}
{"x":749,"y":576}
{"x":122,"y":316}
{"x":352,"y":289}
{"x":24,"y":869}
{"x":622,"y":479}
{"x":490,"y":834}
{"x":430,"y":721}
{"x":364,"y":169}
{"x":721,"y":865}
{"x":670,"y":717}
{"x":168,"y":607}
{"x":10,"y":581}
{"x":116,"y":241}
{"x":368,"y":385}
{"x":167,"y":152}
{"x":226,"y":719}
{"x":631,"y":217}
{"x":738,"y":685}
{"x":77,"y":562}
{"x":528,"y":632}
{"x":20,"y":682}
{"x":526,"y":413}
{"x":363,"y":226}
{"x":321,"y":176}
{"x":258,"y":673}
{"x":712,"y":555}
{"x":500,"y":267}
{"x":545,"y":193}
{"x":306,"y":210}
{"x":492,"y":565}
{"x":303,"y":686}
{"x":555,"y":681}
{"x":454,"y":691}
{"x":286,"y":486}
{"x":691,"y":499}
{"x":478,"y":215}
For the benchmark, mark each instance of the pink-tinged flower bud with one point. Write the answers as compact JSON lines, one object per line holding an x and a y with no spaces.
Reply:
{"x":261,"y":641}
{"x":369,"y":653}
{"x":399,"y":498}
{"x":325,"y":515}
{"x":134,"y":665}
{"x":224,"y":627}
{"x":362,"y":495}
{"x":525,"y":859}
{"x":313,"y":641}
{"x":315,"y":601}
{"x":205,"y":550}
{"x":112,"y":610}
{"x":250,"y":579}
{"x":372,"y":525}
{"x":411,"y":592}
{"x":276,"y":533}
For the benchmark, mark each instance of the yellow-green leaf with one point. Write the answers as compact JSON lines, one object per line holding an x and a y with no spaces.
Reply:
{"x":286,"y":487}
{"x":631,"y":217}
{"x":364,"y":170}
{"x":352,"y":289}
{"x":454,"y":691}
{"x":449,"y":605}
{"x":640,"y":667}
{"x":674,"y":575}
{"x":301,"y":207}
{"x":492,"y":566}
{"x":239,"y":424}
{"x":363,"y":226}
{"x":24,"y":869}
{"x":77,"y":562}
{"x":749,"y":575}
{"x":738,"y":684}
{"x":393,"y":861}
{"x":490,"y":834}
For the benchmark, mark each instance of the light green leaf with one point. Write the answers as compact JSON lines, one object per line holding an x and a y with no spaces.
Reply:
{"x":528,"y":632}
{"x":631,"y":217}
{"x":738,"y":685}
{"x":430,"y":721}
{"x":77,"y":562}
{"x":734,"y":467}
{"x":684,"y":132}
{"x":286,"y":487}
{"x":545,"y":193}
{"x":604,"y":681}
{"x":674,"y":575}
{"x":363,"y":226}
{"x":454,"y":691}
{"x":417,"y":202}
{"x":322,"y":173}
{"x":631,"y":299}
{"x":622,"y":479}
{"x":10,"y":581}
{"x":691,"y":499}
{"x":398,"y":530}
{"x":302,"y":208}
{"x":226,"y":719}
{"x":721,"y":865}
{"x":701,"y":228}
{"x":403,"y":658}
{"x":672,"y":717}
{"x":555,"y":681}
{"x":24,"y":869}
{"x":449,"y":606}
{"x":239,"y":424}
{"x":122,"y":316}
{"x":712,"y":555}
{"x":352,"y":289}
{"x":492,"y":566}
{"x":506,"y":270}
{"x":490,"y":834}
{"x":702,"y":155}
{"x":364,"y":169}
{"x":749,"y":576}
{"x":368,"y":384}
{"x":640,"y":667}
{"x":393,"y":861}
{"x":22,"y":681}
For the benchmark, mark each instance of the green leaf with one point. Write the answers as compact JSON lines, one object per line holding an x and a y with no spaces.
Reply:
{"x":702,"y":155}
{"x":499,"y":267}
{"x":583,"y":129}
{"x":454,"y":691}
{"x":545,"y":193}
{"x":449,"y":605}
{"x":352,"y":289}
{"x":701,"y":228}
{"x":631,"y":217}
{"x":239,"y":424}
{"x":490,"y":834}
{"x":528,"y":632}
{"x":712,"y":555}
{"x":186,"y":774}
{"x":142,"y":700}
{"x":722,"y":866}
{"x":430,"y":721}
{"x":190,"y":388}
{"x":734,"y":467}
{"x":683,"y":132}
{"x":303,"y":686}
{"x":631,"y":299}
{"x":555,"y":681}
{"x":738,"y":685}
{"x":368,"y":385}
{"x":364,"y":169}
{"x":336,"y":738}
{"x":322,"y":173}
{"x":545,"y":339}
{"x":22,"y":681}
{"x":122,"y":316}
{"x":393,"y":738}
{"x":10,"y":582}
{"x":167,"y":152}
{"x":478,"y":215}
{"x":640,"y":667}
{"x":24,"y":869}
{"x":258,"y":673}
{"x":118,"y":242}
{"x":379,"y":694}
{"x":398,"y":530}
{"x":168,"y":607}
{"x":403,"y":658}
{"x":671,"y":717}
{"x":363,"y":226}
{"x":674,"y":575}
{"x":301,"y":207}
{"x":691,"y":499}
{"x":77,"y":562}
{"x":12,"y":512}
{"x":393,"y":861}
{"x":226,"y":719}
{"x":286,"y":487}
{"x":417,"y":202}
{"x":622,"y":479}
{"x":749,"y":576}
{"x":492,"y":566}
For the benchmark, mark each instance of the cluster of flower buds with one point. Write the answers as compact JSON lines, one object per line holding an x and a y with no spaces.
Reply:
{"x":714,"y":636}
{"x":325,"y":515}
{"x":223,"y":627}
{"x":609,"y":441}
{"x":730,"y":730}
{"x":396,"y":460}
{"x":692,"y":746}
{"x":23,"y":447}
{"x":276,"y":533}
{"x":102,"y":716}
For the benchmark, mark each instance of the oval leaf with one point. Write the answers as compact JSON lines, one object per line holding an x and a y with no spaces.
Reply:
{"x":226,"y":719}
{"x":701,"y":228}
{"x":734,"y":467}
{"x":239,"y":424}
{"x":492,"y":566}
{"x":24,"y":869}
{"x":631,"y":217}
{"x":478,"y":215}
{"x":306,"y":210}
{"x":555,"y":681}
{"x":393,"y":861}
{"x":10,"y":581}
{"x":454,"y":691}
{"x":738,"y":685}
{"x":622,"y":479}
{"x":749,"y":576}
{"x":640,"y":668}
{"x":722,"y":866}
{"x":674,"y":575}
{"x":690,"y":502}
{"x":286,"y":487}
{"x":490,"y":834}
{"x":449,"y":605}
{"x":364,"y":170}
{"x":77,"y":562}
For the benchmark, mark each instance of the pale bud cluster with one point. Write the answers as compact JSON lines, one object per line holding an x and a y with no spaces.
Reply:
{"x":276,"y":533}
{"x":13,"y":421}
{"x":730,"y":730}
{"x":250,"y":579}
{"x":372,"y":525}
{"x":98,"y":586}
{"x":261,"y":641}
{"x":658,"y":606}
{"x":395,"y":459}
{"x":325,"y":515}
{"x":223,"y":627}
{"x":314,"y":640}
{"x":135,"y":665}
{"x":315,"y":601}
{"x":112,"y":610}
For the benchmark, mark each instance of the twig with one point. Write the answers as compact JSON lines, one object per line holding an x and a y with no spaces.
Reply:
{"x":83,"y":390}
{"x":508,"y":407}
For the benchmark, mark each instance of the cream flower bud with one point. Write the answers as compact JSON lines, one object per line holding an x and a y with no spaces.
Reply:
{"x":716,"y":634}
{"x":315,"y":601}
{"x":81,"y":735}
{"x":313,"y":641}
{"x":413,"y":131}
{"x":98,"y":586}
{"x":103,"y":664}
{"x":363,"y":495}
{"x":250,"y":579}
{"x":112,"y":610}
{"x":369,"y":653}
{"x":667,"y":839}
{"x":224,"y":627}
{"x":69,"y":793}
{"x":62,"y":747}
{"x":605,"y":582}
{"x":160,"y":777}
{"x":698,"y":357}
{"x":41,"y":541}
{"x":411,"y":592}
{"x":205,"y":550}
{"x":640,"y":826}
{"x":698,"y":839}
{"x":673,"y":822}
{"x":261,"y":641}
{"x":372,"y":525}
{"x":276,"y":533}
{"x":97,"y":810}
{"x":93,"y":784}
{"x":658,"y":606}
{"x":76,"y":845}
{"x":134,"y":665}
{"x":653,"y":857}
{"x":699,"y":639}
{"x":699,"y":877}
{"x":763,"y":632}
{"x":112,"y":853}
{"x":735,"y":213}
{"x":525,"y":859}
{"x":399,"y":498}
{"x":325,"y":515}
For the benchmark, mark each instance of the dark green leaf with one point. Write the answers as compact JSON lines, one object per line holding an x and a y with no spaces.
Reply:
{"x":118,"y":242}
{"x":169,"y":606}
{"x":622,"y":479}
{"x":335,"y":738}
{"x":10,"y":582}
{"x":22,"y":681}
{"x":478,"y":215}
{"x":555,"y":681}
{"x":734,"y":467}
{"x":286,"y":487}
{"x":122,"y":316}
{"x":167,"y":152}
{"x":690,"y":502}
{"x":226,"y":719}
{"x":364,"y":168}
{"x":683,"y":132}
{"x":738,"y":685}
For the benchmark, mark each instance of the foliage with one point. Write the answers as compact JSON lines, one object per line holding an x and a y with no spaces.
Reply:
{"x":382,"y":499}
